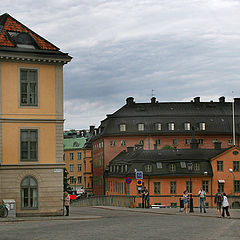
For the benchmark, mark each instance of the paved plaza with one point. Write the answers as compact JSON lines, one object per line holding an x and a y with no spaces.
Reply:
{"x":123,"y":223}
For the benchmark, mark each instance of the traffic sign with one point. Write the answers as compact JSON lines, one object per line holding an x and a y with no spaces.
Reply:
{"x":139,"y":182}
{"x":128,"y":180}
{"x":139,"y":174}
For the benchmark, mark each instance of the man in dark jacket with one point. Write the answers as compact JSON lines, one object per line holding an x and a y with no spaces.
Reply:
{"x":218,"y":201}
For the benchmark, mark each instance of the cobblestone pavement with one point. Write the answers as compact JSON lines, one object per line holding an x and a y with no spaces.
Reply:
{"x":124,"y":223}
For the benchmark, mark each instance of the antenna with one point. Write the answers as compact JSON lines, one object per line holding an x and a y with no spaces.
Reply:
{"x":233,"y":119}
{"x":153,"y":92}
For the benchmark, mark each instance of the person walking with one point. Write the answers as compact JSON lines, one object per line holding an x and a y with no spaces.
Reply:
{"x":225,"y":206}
{"x":66,"y":202}
{"x":147,"y":199}
{"x":218,"y":201}
{"x":202,"y":195}
{"x":185,"y":201}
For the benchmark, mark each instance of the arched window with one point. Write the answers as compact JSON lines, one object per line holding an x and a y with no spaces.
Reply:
{"x":29,"y":192}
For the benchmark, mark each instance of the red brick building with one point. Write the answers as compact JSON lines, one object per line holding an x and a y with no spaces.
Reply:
{"x":167,"y":174}
{"x":163,"y":124}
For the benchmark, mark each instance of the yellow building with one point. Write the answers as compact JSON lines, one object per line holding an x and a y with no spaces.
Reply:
{"x":31,"y":121}
{"x":78,"y":160}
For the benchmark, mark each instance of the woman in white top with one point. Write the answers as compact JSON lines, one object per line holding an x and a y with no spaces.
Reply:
{"x":225,"y":205}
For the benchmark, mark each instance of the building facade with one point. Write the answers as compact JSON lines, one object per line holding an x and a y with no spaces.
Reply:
{"x":163,"y":124}
{"x":31,"y":122}
{"x":78,"y":160}
{"x":167,"y":173}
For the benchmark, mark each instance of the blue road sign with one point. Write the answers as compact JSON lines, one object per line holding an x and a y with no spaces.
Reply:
{"x":128,"y":180}
{"x":139,"y":174}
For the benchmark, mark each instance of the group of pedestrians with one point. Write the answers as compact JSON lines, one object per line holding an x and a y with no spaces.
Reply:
{"x":145,"y":199}
{"x":222,"y":204}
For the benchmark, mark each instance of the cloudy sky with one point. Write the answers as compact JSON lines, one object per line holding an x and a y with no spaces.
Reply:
{"x":120,"y":48}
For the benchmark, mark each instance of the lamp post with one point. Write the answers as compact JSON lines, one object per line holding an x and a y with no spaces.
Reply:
{"x":231,"y":171}
{"x":190,"y":167}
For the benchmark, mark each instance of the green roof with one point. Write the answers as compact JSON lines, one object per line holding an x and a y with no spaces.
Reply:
{"x":74,"y":143}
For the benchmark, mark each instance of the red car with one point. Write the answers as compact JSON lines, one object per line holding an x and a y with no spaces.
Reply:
{"x":72,"y":197}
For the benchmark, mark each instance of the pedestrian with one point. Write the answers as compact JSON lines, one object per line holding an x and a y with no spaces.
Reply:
{"x":218,"y":201}
{"x":66,"y":202}
{"x":147,"y":199}
{"x":202,"y":195}
{"x":185,"y":201}
{"x":225,"y":206}
{"x":143,"y":198}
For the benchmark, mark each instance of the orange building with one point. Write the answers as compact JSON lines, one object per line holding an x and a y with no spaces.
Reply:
{"x":31,"y":123}
{"x":167,"y":174}
{"x":162,"y":124}
{"x":78,"y":160}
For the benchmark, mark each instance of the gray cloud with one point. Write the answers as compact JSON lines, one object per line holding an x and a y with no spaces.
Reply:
{"x":123,"y":48}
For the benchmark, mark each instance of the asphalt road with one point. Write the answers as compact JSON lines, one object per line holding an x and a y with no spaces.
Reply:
{"x":115,"y":224}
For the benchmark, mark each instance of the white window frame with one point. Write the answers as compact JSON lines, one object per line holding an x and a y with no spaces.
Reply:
{"x":141,"y":126}
{"x":122,"y":127}
{"x":187,"y":126}
{"x":202,"y":126}
{"x":171,"y":126}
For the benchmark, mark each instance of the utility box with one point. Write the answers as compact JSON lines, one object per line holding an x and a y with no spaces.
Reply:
{"x":11,"y":206}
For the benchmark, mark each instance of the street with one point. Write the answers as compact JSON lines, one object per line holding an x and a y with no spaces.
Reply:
{"x":100,"y":223}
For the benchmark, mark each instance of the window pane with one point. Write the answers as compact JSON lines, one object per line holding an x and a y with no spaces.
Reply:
{"x":24,"y":197}
{"x":32,"y":75}
{"x":23,"y":75}
{"x":33,"y":182}
{"x":25,"y":182}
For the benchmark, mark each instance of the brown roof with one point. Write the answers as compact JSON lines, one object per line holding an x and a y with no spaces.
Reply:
{"x":8,"y":23}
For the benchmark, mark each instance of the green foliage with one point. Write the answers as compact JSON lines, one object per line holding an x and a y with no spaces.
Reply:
{"x":167,"y":147}
{"x":66,"y":186}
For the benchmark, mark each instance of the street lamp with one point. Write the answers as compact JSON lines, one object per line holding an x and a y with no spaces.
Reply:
{"x":231,"y":171}
{"x":190,"y":167}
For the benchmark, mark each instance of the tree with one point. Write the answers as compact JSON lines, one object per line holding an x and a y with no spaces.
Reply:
{"x":167,"y":147}
{"x":66,"y":186}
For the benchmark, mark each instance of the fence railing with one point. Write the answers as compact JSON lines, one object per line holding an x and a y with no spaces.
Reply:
{"x":118,"y":201}
{"x":136,"y":201}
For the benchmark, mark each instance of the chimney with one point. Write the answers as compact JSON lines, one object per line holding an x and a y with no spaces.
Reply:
{"x":91,"y":129}
{"x":237,"y":100}
{"x":130,"y":149}
{"x":130,"y":100}
{"x":217,"y":145}
{"x":153,"y":100}
{"x":197,"y":99}
{"x":222,"y":99}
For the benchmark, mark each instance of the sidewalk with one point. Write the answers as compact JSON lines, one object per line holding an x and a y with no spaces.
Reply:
{"x":211,"y":212}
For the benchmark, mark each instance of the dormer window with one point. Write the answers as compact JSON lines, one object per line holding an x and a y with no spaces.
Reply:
{"x":202,"y":126}
{"x":141,"y":127}
{"x":172,"y":167}
{"x":158,"y":126}
{"x":187,"y":126}
{"x":75,"y":144}
{"x":148,"y":168}
{"x":122,"y":127}
{"x":196,"y":167}
{"x":23,"y":40}
{"x":159,"y":165}
{"x":171,"y":126}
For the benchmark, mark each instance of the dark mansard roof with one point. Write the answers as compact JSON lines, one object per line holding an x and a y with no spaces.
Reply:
{"x":216,"y":115}
{"x":139,"y":158}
